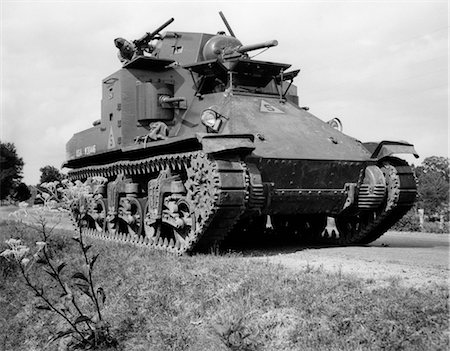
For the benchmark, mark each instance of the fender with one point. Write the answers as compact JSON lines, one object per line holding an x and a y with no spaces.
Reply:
{"x":216,"y":143}
{"x":389,"y":148}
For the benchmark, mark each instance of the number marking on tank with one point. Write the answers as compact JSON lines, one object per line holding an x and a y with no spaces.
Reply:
{"x":266,"y":107}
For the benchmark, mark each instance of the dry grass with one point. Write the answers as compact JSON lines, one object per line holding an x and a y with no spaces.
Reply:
{"x":207,"y":302}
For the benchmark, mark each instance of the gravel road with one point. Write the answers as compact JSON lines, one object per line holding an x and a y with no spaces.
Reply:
{"x":412,"y":259}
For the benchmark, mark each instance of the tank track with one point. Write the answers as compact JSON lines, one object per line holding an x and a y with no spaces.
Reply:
{"x":216,"y":189}
{"x":402,"y":192}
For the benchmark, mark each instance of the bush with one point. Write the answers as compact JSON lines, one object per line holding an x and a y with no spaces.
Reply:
{"x":434,"y":227}
{"x":408,"y":223}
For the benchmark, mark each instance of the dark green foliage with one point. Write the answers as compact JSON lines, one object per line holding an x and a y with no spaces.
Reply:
{"x":11,"y":166}
{"x":433,"y":179}
{"x":433,"y":197}
{"x":437,"y":164}
{"x":22,"y":193}
{"x":50,"y":174}
{"x":436,"y":227}
{"x":409,"y":223}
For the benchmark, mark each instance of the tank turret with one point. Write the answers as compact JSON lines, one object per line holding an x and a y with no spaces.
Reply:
{"x":198,"y":144}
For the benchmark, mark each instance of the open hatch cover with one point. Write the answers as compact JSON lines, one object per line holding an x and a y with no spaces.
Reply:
{"x":246,"y":72}
{"x":149,"y":63}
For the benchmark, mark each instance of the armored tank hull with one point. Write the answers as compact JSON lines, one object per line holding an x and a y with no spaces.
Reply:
{"x":197,"y":142}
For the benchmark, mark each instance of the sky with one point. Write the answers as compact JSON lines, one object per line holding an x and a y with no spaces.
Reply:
{"x":381,"y":67}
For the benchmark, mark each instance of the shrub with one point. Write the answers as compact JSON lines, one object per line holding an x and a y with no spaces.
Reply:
{"x":408,"y":223}
{"x":435,"y":227}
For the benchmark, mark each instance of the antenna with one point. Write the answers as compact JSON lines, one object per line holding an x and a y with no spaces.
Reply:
{"x":226,"y":24}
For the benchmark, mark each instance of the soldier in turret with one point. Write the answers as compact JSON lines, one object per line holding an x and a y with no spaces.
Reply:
{"x":127,"y":50}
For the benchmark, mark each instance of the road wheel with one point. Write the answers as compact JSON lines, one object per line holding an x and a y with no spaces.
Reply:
{"x":175,"y":228}
{"x":130,"y":216}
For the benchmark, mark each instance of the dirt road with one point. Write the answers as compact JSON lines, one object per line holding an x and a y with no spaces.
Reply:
{"x":414,"y":259}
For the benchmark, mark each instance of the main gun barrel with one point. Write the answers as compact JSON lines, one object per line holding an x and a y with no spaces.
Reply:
{"x":149,"y":35}
{"x":246,"y":48}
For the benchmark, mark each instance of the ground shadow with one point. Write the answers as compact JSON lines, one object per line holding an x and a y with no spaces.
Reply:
{"x":269,"y":243}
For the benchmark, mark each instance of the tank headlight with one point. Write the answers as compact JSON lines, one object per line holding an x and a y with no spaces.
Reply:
{"x":211,"y":120}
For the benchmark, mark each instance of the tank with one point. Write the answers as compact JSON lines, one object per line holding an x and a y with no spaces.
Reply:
{"x":198,"y":142}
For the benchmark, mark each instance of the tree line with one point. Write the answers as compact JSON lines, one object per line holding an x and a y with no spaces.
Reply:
{"x":12,"y":189}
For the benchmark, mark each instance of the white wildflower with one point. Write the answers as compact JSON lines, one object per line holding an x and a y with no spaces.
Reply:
{"x":13,"y":214}
{"x":13,"y":242}
{"x":7,"y":253}
{"x":16,"y":248}
{"x":22,"y":212}
{"x":21,"y":252}
{"x":40,"y":244}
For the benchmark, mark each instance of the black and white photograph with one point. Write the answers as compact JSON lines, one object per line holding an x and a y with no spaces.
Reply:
{"x":224,"y":175}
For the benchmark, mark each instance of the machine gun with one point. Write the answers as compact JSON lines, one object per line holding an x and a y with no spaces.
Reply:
{"x":128,"y":50}
{"x":144,"y":40}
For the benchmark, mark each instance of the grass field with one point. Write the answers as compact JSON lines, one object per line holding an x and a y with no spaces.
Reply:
{"x":159,"y":302}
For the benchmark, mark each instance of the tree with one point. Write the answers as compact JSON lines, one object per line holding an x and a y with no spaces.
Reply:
{"x":433,"y":178}
{"x":22,"y":193}
{"x":50,"y":174}
{"x":11,"y":166}
{"x":437,"y":164}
